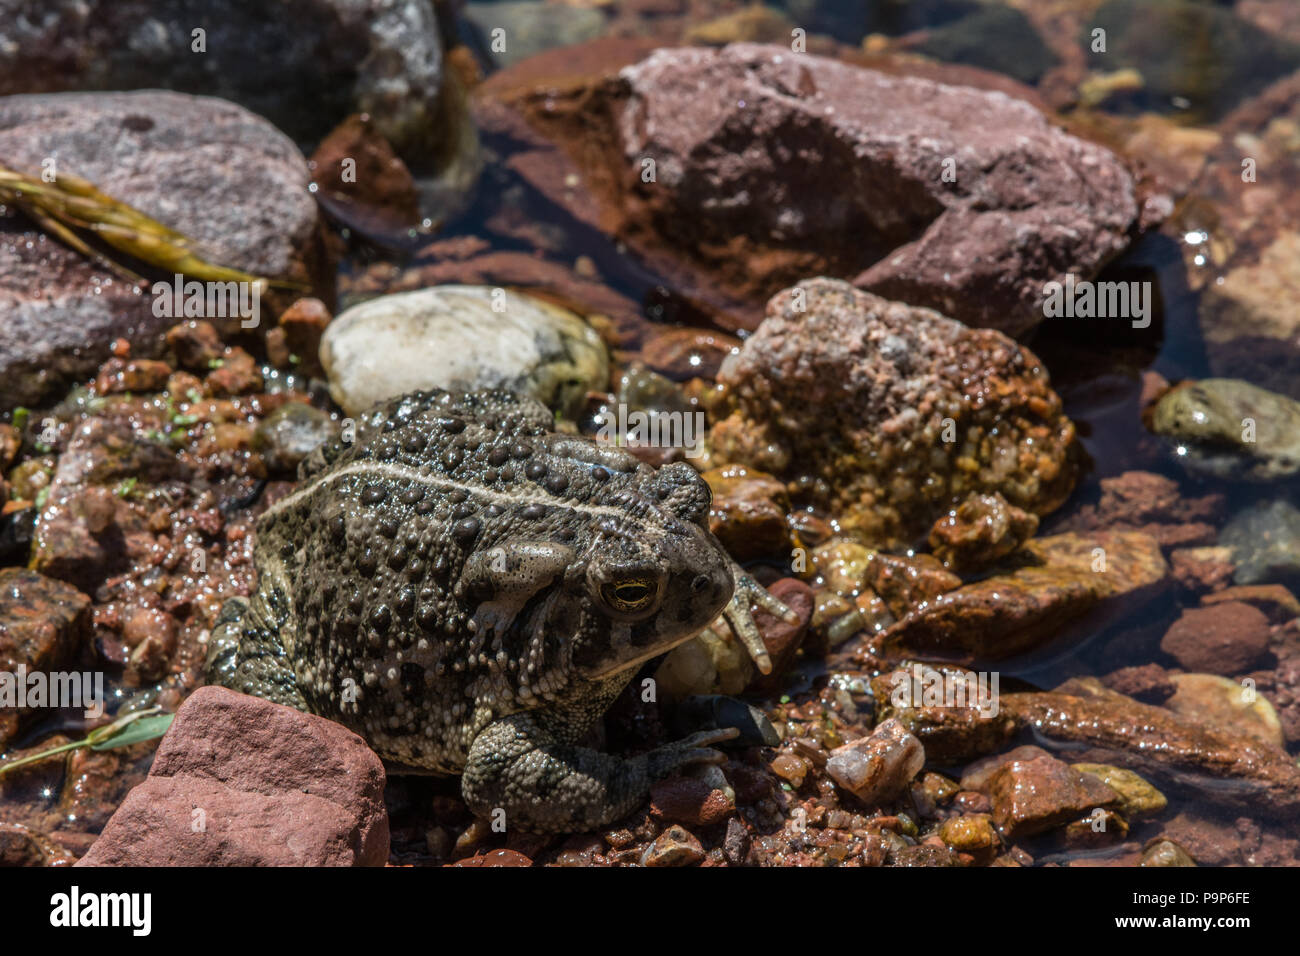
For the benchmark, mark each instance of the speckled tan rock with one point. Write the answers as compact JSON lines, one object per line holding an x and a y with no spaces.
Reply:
{"x":888,"y":415}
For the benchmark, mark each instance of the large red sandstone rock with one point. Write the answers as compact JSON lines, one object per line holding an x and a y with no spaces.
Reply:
{"x":276,"y":787}
{"x":744,"y":142}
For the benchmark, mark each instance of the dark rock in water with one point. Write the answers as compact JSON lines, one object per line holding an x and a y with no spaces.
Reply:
{"x":289,"y":434}
{"x":1193,"y":57}
{"x":17,"y":529}
{"x":362,"y":183}
{"x":1231,"y":429}
{"x":275,"y":787}
{"x":996,"y":38}
{"x":712,"y":166}
{"x":530,"y":27}
{"x":850,"y":22}
{"x":712,"y":711}
{"x":950,"y":735}
{"x":889,"y":415}
{"x":43,"y":626}
{"x":304,"y":65}
{"x":1153,"y":504}
{"x":210,"y":169}
{"x":1265,"y":540}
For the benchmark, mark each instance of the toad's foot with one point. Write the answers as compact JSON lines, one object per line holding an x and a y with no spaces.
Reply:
{"x":518,"y":768}
{"x":739,"y":616}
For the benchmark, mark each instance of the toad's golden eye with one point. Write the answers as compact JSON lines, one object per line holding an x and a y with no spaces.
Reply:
{"x":630,"y":595}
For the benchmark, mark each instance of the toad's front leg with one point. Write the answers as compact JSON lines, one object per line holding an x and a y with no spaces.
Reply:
{"x":517,"y":765}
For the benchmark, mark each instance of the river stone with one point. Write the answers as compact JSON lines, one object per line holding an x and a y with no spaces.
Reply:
{"x":451,"y":337}
{"x":1228,"y":767}
{"x":1198,"y":59}
{"x":888,"y":415}
{"x":745,"y":138}
{"x":1227,"y":704}
{"x":1208,"y":425}
{"x":211,"y":169}
{"x":530,"y":27}
{"x":1102,"y":575}
{"x":304,"y":65}
{"x":44,"y":626}
{"x":1265,"y":542}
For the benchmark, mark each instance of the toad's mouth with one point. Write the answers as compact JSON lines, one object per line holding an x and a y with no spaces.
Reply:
{"x":623,"y":664}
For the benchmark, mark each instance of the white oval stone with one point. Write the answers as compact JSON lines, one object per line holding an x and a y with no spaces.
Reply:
{"x":451,"y":337}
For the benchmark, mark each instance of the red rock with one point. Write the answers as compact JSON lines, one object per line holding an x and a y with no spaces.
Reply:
{"x":44,"y":625}
{"x":719,"y":123}
{"x":136,"y":375}
{"x":688,"y":800}
{"x":195,"y":343}
{"x":1202,"y":569}
{"x":1225,"y":638}
{"x":977,"y":775}
{"x":877,"y":768}
{"x":1158,"y":744}
{"x":237,"y":374}
{"x":748,"y":513}
{"x":1038,"y":794}
{"x":1155,"y":505}
{"x":303,"y":323}
{"x":1149,"y":683}
{"x":378,"y":196}
{"x":500,"y":857}
{"x":276,"y":787}
{"x":782,"y":638}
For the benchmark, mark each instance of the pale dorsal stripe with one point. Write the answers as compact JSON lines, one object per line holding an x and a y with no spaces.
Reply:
{"x":386,"y":469}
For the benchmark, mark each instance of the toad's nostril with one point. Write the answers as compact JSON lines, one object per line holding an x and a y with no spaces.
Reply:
{"x":700,"y":583}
